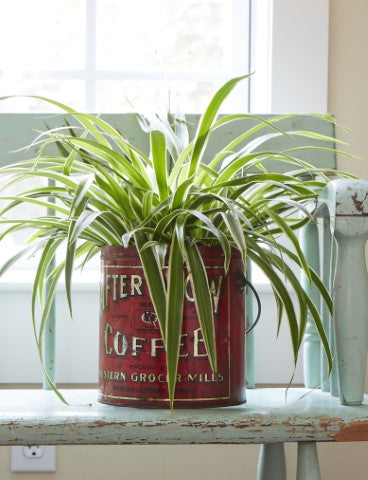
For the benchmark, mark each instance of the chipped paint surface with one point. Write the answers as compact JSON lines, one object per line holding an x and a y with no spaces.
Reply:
{"x":344,"y":197}
{"x":359,"y":204}
{"x":354,"y":432}
{"x":37,"y":416}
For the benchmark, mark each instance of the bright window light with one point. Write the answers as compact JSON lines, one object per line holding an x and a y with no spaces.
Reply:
{"x":107,"y":56}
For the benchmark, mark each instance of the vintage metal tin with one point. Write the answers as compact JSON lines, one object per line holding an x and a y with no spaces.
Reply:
{"x":132,"y":370}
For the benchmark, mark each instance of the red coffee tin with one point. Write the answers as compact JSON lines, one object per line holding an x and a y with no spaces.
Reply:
{"x":132,"y":369}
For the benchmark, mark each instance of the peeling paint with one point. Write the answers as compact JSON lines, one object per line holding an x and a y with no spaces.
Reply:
{"x":355,"y":432}
{"x":359,"y":204}
{"x":266,"y":418}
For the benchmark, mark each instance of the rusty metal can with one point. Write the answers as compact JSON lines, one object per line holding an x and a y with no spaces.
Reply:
{"x":132,"y":369}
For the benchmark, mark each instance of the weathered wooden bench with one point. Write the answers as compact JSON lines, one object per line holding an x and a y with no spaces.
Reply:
{"x":271,"y":416}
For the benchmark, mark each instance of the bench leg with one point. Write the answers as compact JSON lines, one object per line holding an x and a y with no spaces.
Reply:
{"x":271,"y":465}
{"x":308,"y":467}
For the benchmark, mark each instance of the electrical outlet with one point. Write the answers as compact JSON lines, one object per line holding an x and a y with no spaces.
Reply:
{"x":33,"y":451}
{"x":35,"y":458}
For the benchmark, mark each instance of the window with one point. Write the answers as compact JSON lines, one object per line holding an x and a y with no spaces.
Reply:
{"x":100,"y":55}
{"x":119,"y":55}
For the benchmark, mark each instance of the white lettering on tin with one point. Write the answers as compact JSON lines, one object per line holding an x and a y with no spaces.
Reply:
{"x":120,"y":344}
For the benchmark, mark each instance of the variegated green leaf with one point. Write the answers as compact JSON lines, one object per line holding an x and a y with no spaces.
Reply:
{"x":202,"y":298}
{"x":174,"y":313}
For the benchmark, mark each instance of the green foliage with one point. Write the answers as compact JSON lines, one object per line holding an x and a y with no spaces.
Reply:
{"x":105,"y":191}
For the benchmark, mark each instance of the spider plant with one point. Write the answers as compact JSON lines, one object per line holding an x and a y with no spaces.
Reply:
{"x":104,"y":190}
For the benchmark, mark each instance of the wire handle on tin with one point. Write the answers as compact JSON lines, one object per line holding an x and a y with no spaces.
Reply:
{"x":256,"y":296}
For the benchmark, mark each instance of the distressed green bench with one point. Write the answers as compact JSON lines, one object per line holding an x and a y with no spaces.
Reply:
{"x":335,"y":410}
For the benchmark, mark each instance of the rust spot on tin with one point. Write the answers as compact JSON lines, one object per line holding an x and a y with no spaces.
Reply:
{"x":355,"y":432}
